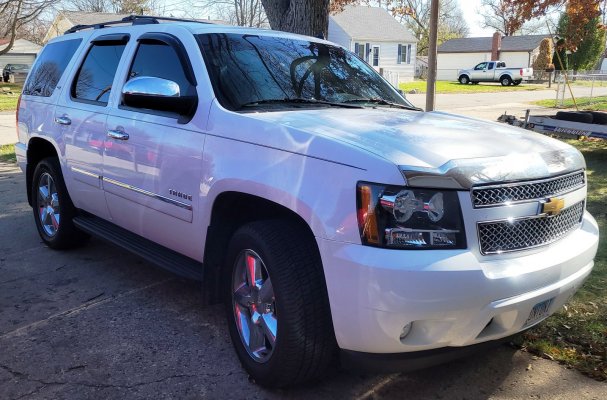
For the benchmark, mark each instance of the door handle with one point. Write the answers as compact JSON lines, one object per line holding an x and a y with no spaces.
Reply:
{"x":63,"y":121}
{"x":117,"y":135}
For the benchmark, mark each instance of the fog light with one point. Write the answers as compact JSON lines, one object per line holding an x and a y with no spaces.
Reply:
{"x":405,"y":331}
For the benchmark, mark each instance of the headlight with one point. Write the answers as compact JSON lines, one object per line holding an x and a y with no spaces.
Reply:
{"x":405,"y":218}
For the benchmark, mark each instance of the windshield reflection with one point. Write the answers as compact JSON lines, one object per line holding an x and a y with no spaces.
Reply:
{"x":247,"y":69}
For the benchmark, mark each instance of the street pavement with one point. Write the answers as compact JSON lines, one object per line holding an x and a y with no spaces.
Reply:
{"x":8,"y":132}
{"x":99,"y":323}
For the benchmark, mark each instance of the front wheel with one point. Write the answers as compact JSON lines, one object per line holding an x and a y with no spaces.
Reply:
{"x":53,"y":208}
{"x":464,"y":80}
{"x":276,"y":303}
{"x":506,"y":81}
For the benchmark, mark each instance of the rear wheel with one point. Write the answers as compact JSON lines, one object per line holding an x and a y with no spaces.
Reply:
{"x":53,"y":208}
{"x":505,"y":80}
{"x":276,"y":303}
{"x":464,"y":80}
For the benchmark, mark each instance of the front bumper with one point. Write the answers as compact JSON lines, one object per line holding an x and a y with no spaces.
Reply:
{"x":453,"y":297}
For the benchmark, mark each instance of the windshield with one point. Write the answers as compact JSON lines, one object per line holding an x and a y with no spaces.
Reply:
{"x":264,"y":70}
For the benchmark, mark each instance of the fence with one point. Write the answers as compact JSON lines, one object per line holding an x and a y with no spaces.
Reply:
{"x":588,"y":87}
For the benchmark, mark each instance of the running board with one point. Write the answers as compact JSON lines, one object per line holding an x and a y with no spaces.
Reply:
{"x":144,"y":248}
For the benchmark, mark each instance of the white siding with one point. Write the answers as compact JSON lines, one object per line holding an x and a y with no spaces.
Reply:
{"x":515,"y":59}
{"x":16,"y":59}
{"x":337,"y":35}
{"x":388,"y":54}
{"x":449,"y":63}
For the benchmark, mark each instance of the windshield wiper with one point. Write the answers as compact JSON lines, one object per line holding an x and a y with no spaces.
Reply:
{"x":383,"y":102}
{"x":296,"y":101}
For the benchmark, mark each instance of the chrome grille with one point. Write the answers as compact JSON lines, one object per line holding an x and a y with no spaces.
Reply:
{"x":524,"y":233}
{"x":495,"y":195}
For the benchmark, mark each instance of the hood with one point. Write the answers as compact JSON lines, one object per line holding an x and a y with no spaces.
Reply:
{"x":439,"y":149}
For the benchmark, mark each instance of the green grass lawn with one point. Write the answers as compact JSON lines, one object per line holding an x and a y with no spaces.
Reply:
{"x":577,"y":334}
{"x":456,"y":87}
{"x":8,"y":102}
{"x":598,"y":103}
{"x":7,"y":153}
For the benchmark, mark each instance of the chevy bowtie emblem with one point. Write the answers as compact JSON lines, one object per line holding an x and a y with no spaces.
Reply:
{"x":553,"y":206}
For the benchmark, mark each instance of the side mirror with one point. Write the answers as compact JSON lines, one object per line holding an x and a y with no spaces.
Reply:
{"x":156,"y":94}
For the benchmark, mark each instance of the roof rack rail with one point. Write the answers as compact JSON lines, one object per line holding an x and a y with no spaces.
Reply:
{"x":134,"y":20}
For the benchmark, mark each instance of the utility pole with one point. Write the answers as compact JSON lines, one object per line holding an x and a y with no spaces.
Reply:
{"x":431,"y":83}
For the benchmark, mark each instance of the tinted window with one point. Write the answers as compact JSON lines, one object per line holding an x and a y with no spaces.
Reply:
{"x":95,"y":77}
{"x":490,"y":66}
{"x":161,"y":61}
{"x":250,"y":68}
{"x":49,"y":67}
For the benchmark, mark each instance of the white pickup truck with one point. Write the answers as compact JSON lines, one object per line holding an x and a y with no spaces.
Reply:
{"x":494,"y":71}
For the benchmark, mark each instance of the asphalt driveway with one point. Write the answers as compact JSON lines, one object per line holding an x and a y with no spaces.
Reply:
{"x":100,"y":323}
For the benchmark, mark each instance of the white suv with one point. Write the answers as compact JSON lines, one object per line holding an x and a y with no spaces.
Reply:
{"x":331,"y":216}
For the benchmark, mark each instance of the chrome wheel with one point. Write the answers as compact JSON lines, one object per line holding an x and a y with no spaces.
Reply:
{"x":49,"y":210}
{"x":254,"y":306}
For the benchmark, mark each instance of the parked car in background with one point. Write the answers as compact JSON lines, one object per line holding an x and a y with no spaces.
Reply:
{"x":494,"y":71}
{"x":332,"y":217}
{"x":19,"y":70}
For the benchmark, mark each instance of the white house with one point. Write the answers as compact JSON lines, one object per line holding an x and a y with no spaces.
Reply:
{"x":22,"y":52}
{"x":377,"y":38}
{"x":515,"y":51}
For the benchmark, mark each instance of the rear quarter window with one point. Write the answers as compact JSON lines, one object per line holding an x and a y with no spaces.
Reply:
{"x":49,"y":68}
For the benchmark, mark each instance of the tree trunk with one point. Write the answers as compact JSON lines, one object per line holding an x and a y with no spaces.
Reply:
{"x":306,"y":17}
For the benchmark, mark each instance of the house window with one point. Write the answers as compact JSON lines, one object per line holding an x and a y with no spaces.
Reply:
{"x":359,"y":49}
{"x":376,"y":56}
{"x":404,"y":54}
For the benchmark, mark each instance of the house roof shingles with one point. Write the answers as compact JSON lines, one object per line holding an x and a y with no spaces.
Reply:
{"x":373,"y":23}
{"x":483,"y":44}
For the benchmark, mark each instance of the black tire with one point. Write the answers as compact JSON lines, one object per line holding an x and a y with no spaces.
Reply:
{"x":65,"y":234}
{"x":599,"y":117}
{"x":464,"y":79}
{"x":305,"y":343}
{"x":575,"y":116}
{"x":506,"y":80}
{"x":516,"y":83}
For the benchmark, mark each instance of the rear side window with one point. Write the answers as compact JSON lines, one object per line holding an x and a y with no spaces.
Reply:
{"x":161,"y":61}
{"x":94,"y":80}
{"x":49,"y":68}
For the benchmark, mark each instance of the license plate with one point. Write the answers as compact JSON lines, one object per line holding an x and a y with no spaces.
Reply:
{"x":538,"y":313}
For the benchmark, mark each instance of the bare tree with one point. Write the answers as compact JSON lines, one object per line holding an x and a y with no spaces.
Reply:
{"x":113,"y":6}
{"x":237,"y":12}
{"x":15,"y":14}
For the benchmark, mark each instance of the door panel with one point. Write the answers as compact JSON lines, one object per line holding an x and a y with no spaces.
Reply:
{"x":81,"y":113}
{"x":151,"y":180}
{"x":152,"y":160}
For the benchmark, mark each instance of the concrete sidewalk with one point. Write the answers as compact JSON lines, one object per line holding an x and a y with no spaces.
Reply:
{"x":8,"y":130}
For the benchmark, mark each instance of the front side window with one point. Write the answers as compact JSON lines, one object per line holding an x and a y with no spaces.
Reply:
{"x":253,"y":68}
{"x":159,"y":60}
{"x":96,"y":75}
{"x":49,"y":67}
{"x":480,"y":66}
